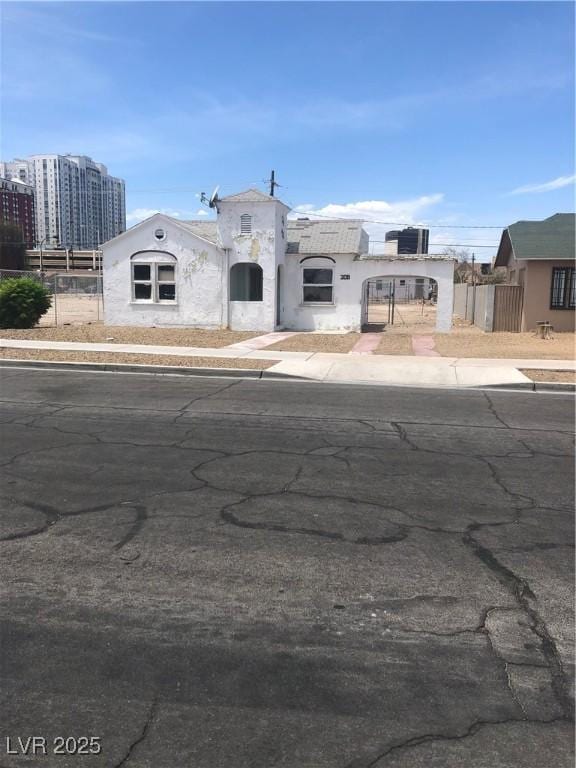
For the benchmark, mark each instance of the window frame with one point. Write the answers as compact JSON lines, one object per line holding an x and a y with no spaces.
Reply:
{"x":154,"y":282}
{"x":568,"y":297}
{"x":318,"y":285}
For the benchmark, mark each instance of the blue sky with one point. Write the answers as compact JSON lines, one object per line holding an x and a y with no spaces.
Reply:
{"x":455,"y":113}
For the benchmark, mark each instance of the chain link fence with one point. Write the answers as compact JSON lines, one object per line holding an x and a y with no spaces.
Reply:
{"x":76,"y":298}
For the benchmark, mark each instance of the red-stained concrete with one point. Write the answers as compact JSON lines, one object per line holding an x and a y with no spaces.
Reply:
{"x":366,"y":344}
{"x":423,"y":346}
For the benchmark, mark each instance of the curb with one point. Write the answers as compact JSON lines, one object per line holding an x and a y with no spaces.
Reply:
{"x":554,"y":386}
{"x":533,"y":386}
{"x":240,"y":373}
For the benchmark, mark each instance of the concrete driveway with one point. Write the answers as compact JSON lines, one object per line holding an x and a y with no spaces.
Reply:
{"x":212,"y":573}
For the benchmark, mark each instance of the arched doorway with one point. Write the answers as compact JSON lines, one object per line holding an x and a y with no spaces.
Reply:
{"x":403,"y":303}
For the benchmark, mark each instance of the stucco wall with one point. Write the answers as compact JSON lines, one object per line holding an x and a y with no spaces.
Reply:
{"x":265,"y":246}
{"x":537,"y":287}
{"x":345,"y":313}
{"x":199,"y":278}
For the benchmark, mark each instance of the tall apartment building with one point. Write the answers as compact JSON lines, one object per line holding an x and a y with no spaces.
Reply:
{"x":17,"y":207}
{"x":412,"y":240}
{"x":78,"y":205}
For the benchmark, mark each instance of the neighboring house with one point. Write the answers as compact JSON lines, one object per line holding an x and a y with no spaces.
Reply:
{"x":539,"y":256}
{"x":17,"y":207}
{"x":253,"y":269}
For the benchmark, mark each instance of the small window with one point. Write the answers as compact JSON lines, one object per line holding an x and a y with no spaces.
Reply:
{"x":159,"y":234}
{"x":563,"y":293}
{"x":246,"y":282}
{"x":317,"y":286}
{"x":245,"y":224}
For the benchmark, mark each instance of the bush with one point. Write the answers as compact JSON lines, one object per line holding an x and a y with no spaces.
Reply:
{"x":23,"y":301}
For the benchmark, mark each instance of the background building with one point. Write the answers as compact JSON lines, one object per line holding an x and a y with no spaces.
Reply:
{"x":17,"y":207}
{"x":412,"y":240}
{"x":78,"y":205}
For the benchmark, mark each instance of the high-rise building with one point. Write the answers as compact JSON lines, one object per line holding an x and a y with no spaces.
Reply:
{"x":412,"y":240}
{"x":78,"y":205}
{"x":17,"y":207}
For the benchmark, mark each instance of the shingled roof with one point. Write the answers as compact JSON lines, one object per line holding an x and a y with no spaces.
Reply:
{"x":250,"y":196}
{"x":552,"y":238}
{"x":205,"y":229}
{"x":306,"y":236}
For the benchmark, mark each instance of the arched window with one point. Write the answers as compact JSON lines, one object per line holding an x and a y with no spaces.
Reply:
{"x":153,"y":277}
{"x":246,"y":282}
{"x":245,"y":224}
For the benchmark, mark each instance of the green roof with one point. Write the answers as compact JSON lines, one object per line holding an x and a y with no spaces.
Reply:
{"x":552,"y":238}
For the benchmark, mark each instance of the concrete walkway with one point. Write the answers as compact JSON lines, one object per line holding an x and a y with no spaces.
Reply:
{"x":322,"y":366}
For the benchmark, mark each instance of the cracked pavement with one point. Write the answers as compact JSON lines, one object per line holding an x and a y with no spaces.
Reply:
{"x":209,"y":573}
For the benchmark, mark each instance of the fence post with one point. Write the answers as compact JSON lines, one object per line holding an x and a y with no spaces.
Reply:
{"x":56,"y":300}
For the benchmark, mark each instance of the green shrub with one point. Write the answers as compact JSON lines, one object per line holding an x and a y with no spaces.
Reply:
{"x":23,"y":301}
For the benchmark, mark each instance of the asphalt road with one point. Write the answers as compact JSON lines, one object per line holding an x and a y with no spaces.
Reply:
{"x":212,"y":573}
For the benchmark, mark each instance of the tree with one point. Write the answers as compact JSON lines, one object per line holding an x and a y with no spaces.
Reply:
{"x":23,"y":301}
{"x":462,"y":270}
{"x":12,"y":247}
{"x":494,"y":278}
{"x":462,"y":255}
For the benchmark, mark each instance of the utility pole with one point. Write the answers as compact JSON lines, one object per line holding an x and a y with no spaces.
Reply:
{"x":273,"y":184}
{"x":473,"y":288}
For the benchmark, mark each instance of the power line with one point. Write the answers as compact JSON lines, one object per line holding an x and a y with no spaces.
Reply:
{"x":397,"y":223}
{"x":451,"y":245}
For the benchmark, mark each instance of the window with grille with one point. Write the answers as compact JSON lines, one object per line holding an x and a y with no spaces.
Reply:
{"x":317,"y":286}
{"x":563,"y":292}
{"x":245,"y":224}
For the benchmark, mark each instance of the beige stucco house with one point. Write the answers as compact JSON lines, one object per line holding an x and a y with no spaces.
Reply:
{"x":540,"y":256}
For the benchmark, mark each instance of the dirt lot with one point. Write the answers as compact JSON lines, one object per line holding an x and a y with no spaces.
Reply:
{"x":566,"y":377}
{"x":134,"y":359}
{"x":408,"y":318}
{"x":96,"y":332}
{"x":472,"y":342}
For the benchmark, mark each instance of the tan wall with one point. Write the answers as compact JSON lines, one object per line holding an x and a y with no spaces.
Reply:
{"x":537,"y":286}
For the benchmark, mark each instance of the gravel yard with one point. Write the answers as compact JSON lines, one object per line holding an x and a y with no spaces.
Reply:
{"x":395,"y":344}
{"x":464,"y":342}
{"x":566,"y":377}
{"x":134,"y":359}
{"x":97,"y":332}
{"x":317,"y":342}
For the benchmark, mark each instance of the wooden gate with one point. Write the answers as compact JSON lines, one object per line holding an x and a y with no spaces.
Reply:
{"x":508,"y":302}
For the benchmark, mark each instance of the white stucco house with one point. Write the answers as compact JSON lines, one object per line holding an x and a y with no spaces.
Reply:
{"x":253,"y":269}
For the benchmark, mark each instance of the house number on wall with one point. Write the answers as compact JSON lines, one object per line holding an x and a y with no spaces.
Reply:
{"x":344,"y":277}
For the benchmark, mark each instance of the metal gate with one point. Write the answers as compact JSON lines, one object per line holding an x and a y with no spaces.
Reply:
{"x":76,"y":298}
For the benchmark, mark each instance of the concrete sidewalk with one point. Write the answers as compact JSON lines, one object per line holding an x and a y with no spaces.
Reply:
{"x":321,"y":366}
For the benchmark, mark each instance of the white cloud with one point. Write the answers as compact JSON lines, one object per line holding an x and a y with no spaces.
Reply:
{"x":547,"y":186}
{"x":373,"y":213}
{"x":139,"y":214}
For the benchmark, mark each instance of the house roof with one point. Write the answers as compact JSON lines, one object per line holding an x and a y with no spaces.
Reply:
{"x":306,"y":236}
{"x":552,"y":238}
{"x":205,"y":229}
{"x":250,"y":196}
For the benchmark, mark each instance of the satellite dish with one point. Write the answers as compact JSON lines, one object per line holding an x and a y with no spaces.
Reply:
{"x":214,"y":197}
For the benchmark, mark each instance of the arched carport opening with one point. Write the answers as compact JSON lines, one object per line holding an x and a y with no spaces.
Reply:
{"x":399,"y":302}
